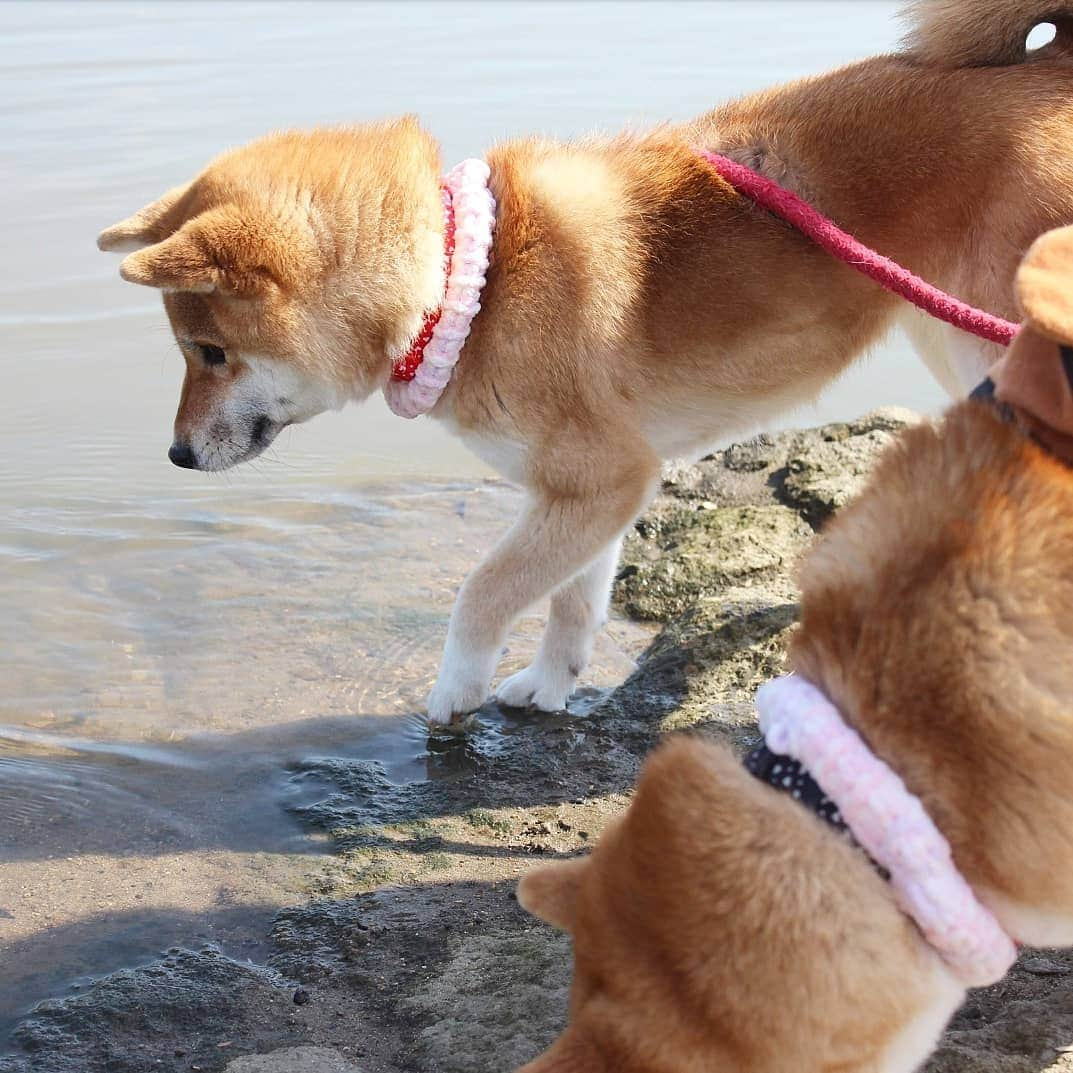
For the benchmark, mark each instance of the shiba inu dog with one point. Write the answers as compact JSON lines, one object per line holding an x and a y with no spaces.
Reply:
{"x":721,"y":924}
{"x":635,"y":307}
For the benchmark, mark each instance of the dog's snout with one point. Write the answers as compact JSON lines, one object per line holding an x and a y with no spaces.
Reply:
{"x":182,"y":454}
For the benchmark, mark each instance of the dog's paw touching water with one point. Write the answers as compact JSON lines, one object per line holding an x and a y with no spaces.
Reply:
{"x":450,"y":703}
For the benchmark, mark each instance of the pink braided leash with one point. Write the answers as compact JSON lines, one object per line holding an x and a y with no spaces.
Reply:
{"x":830,"y":237}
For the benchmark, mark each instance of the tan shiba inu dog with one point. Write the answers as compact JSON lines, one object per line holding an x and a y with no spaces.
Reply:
{"x":635,"y":309}
{"x":721,"y":925}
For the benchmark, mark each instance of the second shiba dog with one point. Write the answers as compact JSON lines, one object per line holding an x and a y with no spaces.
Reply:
{"x":721,"y":926}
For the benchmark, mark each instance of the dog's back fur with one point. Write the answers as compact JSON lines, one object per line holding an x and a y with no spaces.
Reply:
{"x":938,"y":615}
{"x":699,"y":922}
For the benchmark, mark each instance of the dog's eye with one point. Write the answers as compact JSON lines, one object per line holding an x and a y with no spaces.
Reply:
{"x":212,"y":355}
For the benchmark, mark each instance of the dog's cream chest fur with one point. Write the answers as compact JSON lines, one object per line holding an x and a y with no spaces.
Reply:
{"x":507,"y":457}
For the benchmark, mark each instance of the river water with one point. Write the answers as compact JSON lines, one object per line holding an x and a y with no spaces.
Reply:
{"x":170,"y":642}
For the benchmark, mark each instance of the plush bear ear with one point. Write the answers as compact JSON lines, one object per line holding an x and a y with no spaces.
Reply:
{"x":1045,"y":285}
{"x":149,"y":225}
{"x":551,"y":891}
{"x":1036,"y":375}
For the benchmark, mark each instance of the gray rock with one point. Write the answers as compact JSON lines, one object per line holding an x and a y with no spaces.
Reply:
{"x":825,"y":475}
{"x":472,"y":1008}
{"x":723,"y":523}
{"x":293,"y":1060}
{"x":690,"y":553}
{"x":168,"y":1015}
{"x":1023,"y":1024}
{"x":365,"y":797}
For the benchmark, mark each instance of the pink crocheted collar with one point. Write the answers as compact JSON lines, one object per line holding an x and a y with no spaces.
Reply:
{"x":419,"y":377}
{"x":891,"y":826}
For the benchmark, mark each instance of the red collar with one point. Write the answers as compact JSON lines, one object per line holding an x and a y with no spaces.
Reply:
{"x":405,"y":368}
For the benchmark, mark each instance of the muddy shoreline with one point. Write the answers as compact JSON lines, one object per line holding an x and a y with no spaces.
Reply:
{"x":411,"y":953}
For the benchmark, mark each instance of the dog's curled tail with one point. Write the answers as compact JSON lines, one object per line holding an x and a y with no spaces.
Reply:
{"x":984,"y":33}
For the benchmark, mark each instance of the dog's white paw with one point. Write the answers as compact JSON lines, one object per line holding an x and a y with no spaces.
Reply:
{"x":536,"y":687}
{"x":451,"y":701}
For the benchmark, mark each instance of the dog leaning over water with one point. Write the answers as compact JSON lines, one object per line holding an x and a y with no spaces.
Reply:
{"x":633,"y":307}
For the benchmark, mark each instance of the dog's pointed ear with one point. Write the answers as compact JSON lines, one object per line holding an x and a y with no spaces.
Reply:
{"x":1045,"y":285}
{"x":154,"y":223}
{"x":550,"y":892}
{"x":181,"y":262}
{"x":238,"y":251}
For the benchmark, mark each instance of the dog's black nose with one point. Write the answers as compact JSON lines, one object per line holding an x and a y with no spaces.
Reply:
{"x":182,"y":455}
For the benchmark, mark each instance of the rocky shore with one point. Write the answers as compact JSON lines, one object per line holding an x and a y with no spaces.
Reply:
{"x":412,"y":954}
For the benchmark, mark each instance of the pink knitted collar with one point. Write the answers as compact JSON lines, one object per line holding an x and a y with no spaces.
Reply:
{"x":891,"y":826}
{"x":419,"y":377}
{"x":826,"y":234}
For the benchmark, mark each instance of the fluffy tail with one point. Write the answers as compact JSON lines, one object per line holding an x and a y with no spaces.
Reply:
{"x":984,"y":33}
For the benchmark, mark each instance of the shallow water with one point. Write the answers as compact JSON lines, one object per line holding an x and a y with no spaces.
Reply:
{"x":171,"y":643}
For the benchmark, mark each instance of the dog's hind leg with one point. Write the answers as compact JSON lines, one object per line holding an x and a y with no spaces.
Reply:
{"x":957,"y":360}
{"x":560,"y":533}
{"x":578,"y":610}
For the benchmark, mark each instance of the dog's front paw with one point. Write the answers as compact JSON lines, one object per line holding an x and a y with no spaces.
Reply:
{"x":450,"y":702}
{"x":536,"y":687}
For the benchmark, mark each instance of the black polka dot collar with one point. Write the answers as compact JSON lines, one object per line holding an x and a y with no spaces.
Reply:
{"x":791,"y":777}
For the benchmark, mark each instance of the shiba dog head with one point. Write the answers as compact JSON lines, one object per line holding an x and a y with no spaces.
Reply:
{"x":292,"y":270}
